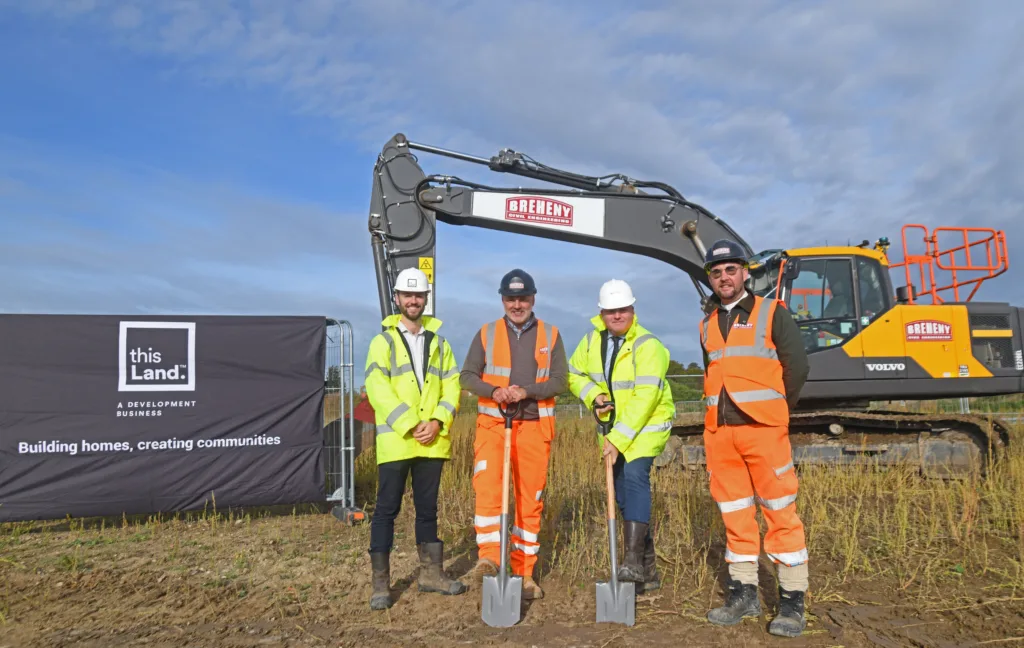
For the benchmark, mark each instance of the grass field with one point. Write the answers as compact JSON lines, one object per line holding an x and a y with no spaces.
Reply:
{"x":895,"y":560}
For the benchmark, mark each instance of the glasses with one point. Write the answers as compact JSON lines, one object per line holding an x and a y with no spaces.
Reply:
{"x":730,"y":270}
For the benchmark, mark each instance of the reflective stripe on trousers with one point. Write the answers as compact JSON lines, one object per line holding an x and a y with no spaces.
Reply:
{"x":754,"y":463}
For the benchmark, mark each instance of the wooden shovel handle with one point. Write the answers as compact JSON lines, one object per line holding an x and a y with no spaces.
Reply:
{"x":610,"y":481}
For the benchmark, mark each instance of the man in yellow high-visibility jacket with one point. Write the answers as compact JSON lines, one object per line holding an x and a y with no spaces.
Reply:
{"x":412,"y":382}
{"x":627,"y":357}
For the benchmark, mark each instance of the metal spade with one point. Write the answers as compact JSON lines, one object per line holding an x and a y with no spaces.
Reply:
{"x":616,"y":602}
{"x":502,"y":594}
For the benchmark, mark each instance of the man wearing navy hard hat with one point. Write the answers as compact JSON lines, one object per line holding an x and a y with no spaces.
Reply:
{"x":518,"y":358}
{"x":755,"y":364}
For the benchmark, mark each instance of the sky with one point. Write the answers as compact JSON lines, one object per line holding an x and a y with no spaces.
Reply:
{"x":216,"y":156}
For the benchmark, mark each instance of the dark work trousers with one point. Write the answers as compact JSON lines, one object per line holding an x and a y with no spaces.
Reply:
{"x":391,"y":478}
{"x":633,"y":488}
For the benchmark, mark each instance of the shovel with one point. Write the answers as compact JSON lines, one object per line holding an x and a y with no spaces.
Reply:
{"x":503,"y":594}
{"x":616,"y":602}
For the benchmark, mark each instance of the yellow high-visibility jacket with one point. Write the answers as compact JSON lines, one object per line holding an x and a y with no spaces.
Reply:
{"x":398,"y":402}
{"x":644,"y":408}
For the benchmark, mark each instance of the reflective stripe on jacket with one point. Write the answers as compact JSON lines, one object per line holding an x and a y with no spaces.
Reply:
{"x":746,"y":366}
{"x":498,"y":367}
{"x":644,"y":408}
{"x":398,"y":402}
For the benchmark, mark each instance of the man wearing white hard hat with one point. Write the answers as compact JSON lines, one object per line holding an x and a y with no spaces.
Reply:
{"x":621,"y":365}
{"x":412,"y":382}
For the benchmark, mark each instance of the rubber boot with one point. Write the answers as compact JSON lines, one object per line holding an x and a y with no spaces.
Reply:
{"x":652,"y":580}
{"x":742,"y":602}
{"x":632,"y":568}
{"x":790,"y":622}
{"x":432,"y":577}
{"x":381,"y":597}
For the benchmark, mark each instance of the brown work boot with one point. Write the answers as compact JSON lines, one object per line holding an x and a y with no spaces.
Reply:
{"x":531,"y":590}
{"x":432,"y":577}
{"x":483,"y":567}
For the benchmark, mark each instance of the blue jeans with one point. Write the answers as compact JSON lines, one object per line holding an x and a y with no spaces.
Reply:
{"x":633,"y":488}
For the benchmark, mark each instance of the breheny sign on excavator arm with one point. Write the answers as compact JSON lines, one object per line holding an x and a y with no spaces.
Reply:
{"x":612,"y":212}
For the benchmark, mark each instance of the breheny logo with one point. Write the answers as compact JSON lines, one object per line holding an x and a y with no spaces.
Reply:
{"x":156,"y":356}
{"x":539,"y":210}
{"x":929,"y":331}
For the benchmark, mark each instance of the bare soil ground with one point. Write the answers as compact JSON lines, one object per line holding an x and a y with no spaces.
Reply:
{"x":895,"y":561}
{"x":303,"y":580}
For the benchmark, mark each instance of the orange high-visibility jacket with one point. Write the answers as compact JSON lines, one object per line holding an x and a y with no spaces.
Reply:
{"x":498,"y":367}
{"x":747,"y":366}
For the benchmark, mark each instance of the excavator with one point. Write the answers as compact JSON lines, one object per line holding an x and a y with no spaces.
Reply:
{"x":870,"y":346}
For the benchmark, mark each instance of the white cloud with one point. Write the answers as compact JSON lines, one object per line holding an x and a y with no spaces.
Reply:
{"x":796,"y":122}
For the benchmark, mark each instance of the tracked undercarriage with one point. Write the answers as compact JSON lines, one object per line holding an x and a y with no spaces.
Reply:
{"x":938,"y":445}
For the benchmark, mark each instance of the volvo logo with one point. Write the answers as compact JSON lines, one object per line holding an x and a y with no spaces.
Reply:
{"x":889,"y":366}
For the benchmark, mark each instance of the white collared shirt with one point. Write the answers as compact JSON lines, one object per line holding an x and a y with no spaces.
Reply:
{"x":415,"y":341}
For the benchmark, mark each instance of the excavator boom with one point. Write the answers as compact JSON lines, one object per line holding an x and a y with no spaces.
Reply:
{"x":611,"y":212}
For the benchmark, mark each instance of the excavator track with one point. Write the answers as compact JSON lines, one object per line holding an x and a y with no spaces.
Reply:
{"x":946,"y":446}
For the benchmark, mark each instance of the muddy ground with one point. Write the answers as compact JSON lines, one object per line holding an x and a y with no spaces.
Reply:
{"x":303,"y":580}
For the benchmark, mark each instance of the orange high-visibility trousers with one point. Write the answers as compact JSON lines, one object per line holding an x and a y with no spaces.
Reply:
{"x":531,"y":448}
{"x":748,"y":460}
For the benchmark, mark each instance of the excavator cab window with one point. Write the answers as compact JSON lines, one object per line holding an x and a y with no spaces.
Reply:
{"x":820,"y":296}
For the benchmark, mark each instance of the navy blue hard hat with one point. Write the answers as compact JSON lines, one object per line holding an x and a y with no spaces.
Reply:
{"x":724,"y":250}
{"x":517,"y":283}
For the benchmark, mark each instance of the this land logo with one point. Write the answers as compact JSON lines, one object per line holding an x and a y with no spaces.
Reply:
{"x":157,"y":356}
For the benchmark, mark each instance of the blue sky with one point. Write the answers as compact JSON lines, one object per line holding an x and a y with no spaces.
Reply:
{"x":200,"y":157}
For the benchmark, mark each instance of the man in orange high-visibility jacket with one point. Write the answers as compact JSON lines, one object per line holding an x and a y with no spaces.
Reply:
{"x":755,"y":365}
{"x":516,"y":359}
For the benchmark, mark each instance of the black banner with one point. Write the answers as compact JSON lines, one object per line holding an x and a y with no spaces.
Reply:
{"x":104,"y":415}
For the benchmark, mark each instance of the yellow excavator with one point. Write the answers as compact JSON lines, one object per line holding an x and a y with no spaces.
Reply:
{"x":867,"y":342}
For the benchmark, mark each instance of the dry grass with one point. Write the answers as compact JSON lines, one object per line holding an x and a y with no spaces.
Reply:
{"x":945,"y":547}
{"x":924,"y":536}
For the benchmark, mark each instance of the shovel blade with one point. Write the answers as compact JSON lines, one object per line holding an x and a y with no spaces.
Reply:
{"x":616,"y":605}
{"x":501,"y":601}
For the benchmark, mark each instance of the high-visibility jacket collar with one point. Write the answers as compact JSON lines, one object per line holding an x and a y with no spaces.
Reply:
{"x":429,"y":323}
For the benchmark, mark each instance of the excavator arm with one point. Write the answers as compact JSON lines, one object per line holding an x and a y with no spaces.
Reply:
{"x":613,"y":212}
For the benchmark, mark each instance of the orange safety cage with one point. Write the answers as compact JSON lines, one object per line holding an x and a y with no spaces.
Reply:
{"x":969,"y":261}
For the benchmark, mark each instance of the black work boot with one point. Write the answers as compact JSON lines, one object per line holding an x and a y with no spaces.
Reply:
{"x":652,"y":580}
{"x":790,"y":622}
{"x":381,"y":597}
{"x":432,"y":577}
{"x":632,"y":568}
{"x":742,"y":602}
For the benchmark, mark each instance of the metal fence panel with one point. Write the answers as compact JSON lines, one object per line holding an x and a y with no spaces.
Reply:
{"x":339,"y":421}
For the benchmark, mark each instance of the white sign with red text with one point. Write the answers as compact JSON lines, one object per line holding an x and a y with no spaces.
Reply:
{"x":568,"y":213}
{"x":929,"y":331}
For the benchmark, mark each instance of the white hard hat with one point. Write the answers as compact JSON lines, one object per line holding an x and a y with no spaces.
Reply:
{"x":412,"y":280}
{"x":616,"y":293}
